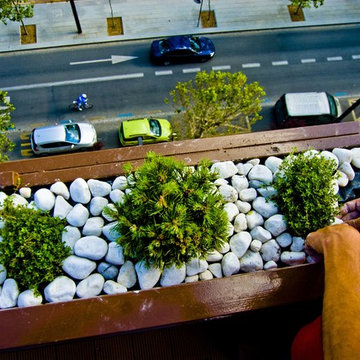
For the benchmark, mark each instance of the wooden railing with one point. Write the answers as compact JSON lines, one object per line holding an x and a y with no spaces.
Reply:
{"x":180,"y":304}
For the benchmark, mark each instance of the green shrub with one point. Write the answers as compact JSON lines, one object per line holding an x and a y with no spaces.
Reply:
{"x":31,"y":250}
{"x":305,"y":192}
{"x":172,"y":214}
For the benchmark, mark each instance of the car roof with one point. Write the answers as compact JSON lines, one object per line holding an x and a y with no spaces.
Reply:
{"x":138,"y":127}
{"x":179,"y":42}
{"x":308,"y":103}
{"x":49,"y":134}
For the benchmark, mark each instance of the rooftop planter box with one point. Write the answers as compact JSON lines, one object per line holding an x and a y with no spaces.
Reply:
{"x":179,"y":304}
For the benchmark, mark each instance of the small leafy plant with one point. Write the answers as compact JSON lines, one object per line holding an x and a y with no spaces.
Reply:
{"x":31,"y":250}
{"x":305,"y":192}
{"x":172,"y":214}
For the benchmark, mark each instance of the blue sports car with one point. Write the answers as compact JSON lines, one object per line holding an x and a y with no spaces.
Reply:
{"x":181,"y":49}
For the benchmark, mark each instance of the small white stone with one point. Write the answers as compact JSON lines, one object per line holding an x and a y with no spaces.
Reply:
{"x":255,"y":245}
{"x":224,"y":248}
{"x":25,"y":192}
{"x":273,"y":163}
{"x":127,"y":275}
{"x":93,"y":226}
{"x":9,"y":294}
{"x":3,"y":274}
{"x":97,"y":205}
{"x":230,"y":264}
{"x":28,"y":298}
{"x":243,"y":169}
{"x":147,"y":276}
{"x":240,"y":223}
{"x":213,"y":256}
{"x":109,"y":231}
{"x":298,"y":244}
{"x":196,"y":266}
{"x":256,"y":184}
{"x":267,"y":192}
{"x":228,"y":193}
{"x":191,"y":279}
{"x":344,"y":155}
{"x":261,"y":234}
{"x":330,"y":156}
{"x":239,"y":182}
{"x":91,"y":247}
{"x":61,"y":208}
{"x":173,"y":275}
{"x":120,"y":183}
{"x":243,"y":206}
{"x":117,"y":196}
{"x":251,"y":261}
{"x":342,"y":180}
{"x":261,"y":173}
{"x":216,"y":270}
{"x":44,"y":199}
{"x":230,"y":229}
{"x":206,"y":275}
{"x":231,"y":210}
{"x":98,"y":187}
{"x":276,"y":224}
{"x":347,"y":169}
{"x":284,"y":240}
{"x":270,"y":265}
{"x":240,"y":242}
{"x":355,"y":157}
{"x":293,"y":258}
{"x":60,"y":289}
{"x":221,"y":181}
{"x":115,"y":254}
{"x":108,"y":217}
{"x":270,"y":251}
{"x":112,"y":287}
{"x":78,"y":215}
{"x":253,"y":219}
{"x":70,"y":235}
{"x":264,"y":207}
{"x":254,"y":162}
{"x":60,"y":189}
{"x":225,"y":169}
{"x":18,"y":200}
{"x":79,"y":191}
{"x":78,"y":267}
{"x":91,"y":286}
{"x":247,"y":194}
{"x":108,"y":271}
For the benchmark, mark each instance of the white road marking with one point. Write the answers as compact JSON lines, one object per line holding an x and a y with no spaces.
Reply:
{"x":280,"y":63}
{"x":163,"y":72}
{"x":251,"y":65}
{"x":192,"y":70}
{"x":356,"y":57}
{"x":74,"y":81}
{"x":307,"y":61}
{"x":334,"y":58}
{"x":114,"y":60}
{"x":223,"y":67}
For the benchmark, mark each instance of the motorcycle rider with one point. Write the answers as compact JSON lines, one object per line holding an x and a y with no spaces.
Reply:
{"x":81,"y":101}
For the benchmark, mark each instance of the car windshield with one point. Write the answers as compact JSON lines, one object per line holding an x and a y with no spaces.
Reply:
{"x":72,"y":133}
{"x":155,"y":128}
{"x":195,"y":44}
{"x":164,"y":45}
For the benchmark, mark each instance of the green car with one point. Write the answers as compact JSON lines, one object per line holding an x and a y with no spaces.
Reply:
{"x":144,"y":131}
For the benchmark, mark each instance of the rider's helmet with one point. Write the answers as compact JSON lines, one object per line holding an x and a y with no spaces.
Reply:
{"x":84,"y":96}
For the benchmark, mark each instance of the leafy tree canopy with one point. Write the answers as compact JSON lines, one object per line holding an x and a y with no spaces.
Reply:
{"x":216,"y":99}
{"x":307,"y":3}
{"x":15,"y":10}
{"x":5,"y":124}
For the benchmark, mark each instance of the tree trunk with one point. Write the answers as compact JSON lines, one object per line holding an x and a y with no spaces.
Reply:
{"x":24,"y":27}
{"x":112,"y":14}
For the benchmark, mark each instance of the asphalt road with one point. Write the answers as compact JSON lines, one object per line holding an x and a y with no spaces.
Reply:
{"x":42,"y":83}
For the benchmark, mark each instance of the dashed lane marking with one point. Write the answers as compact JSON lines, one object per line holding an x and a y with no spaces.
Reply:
{"x":163,"y":72}
{"x":308,"y":61}
{"x":192,"y":70}
{"x":27,"y":152}
{"x":280,"y":63}
{"x":334,"y":58}
{"x":356,"y":57}
{"x":221,"y":67}
{"x":251,"y":65}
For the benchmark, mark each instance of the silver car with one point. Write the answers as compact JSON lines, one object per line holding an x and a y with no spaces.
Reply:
{"x":63,"y":137}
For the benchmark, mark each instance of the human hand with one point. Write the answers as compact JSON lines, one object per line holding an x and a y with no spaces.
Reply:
{"x":333,"y":236}
{"x":350,"y":213}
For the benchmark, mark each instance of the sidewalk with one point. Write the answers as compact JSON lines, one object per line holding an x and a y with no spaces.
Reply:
{"x":55,"y":24}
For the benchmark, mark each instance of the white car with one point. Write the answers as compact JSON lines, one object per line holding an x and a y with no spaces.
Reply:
{"x":63,"y":137}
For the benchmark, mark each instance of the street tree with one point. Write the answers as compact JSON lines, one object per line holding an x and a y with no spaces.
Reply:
{"x":301,"y":4}
{"x":16,"y":10}
{"x":215,"y":101}
{"x":5,"y":124}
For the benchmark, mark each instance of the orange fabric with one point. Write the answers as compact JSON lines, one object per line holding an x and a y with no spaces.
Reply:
{"x":340,"y":245}
{"x":307,"y":344}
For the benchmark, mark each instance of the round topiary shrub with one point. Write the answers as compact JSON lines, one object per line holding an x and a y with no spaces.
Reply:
{"x":172,"y":213}
{"x":305,"y":192}
{"x":31,"y":249}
